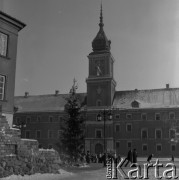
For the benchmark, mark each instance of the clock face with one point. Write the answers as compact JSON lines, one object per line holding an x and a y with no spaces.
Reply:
{"x":3,"y":44}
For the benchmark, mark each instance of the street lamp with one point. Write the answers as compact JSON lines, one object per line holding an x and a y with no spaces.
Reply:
{"x":106,"y":114}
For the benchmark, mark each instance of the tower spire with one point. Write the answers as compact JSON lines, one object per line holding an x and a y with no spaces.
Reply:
{"x":101,"y":17}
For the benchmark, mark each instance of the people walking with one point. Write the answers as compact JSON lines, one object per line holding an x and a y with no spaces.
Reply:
{"x":134,"y":157}
{"x":128,"y":158}
{"x":149,"y":158}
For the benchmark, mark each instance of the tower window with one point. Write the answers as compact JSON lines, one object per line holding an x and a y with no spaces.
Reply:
{"x":98,"y":133}
{"x":2,"y":86}
{"x":98,"y":102}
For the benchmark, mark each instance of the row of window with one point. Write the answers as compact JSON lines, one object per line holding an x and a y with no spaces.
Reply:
{"x":38,"y":135}
{"x":144,"y":132}
{"x":144,"y":116}
{"x":38,"y":119}
{"x":145,"y":146}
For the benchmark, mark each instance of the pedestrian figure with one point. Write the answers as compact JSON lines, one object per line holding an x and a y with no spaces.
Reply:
{"x":172,"y":159}
{"x":128,"y":158}
{"x":134,"y":158}
{"x":104,"y":159}
{"x":149,"y":158}
{"x":88,"y":157}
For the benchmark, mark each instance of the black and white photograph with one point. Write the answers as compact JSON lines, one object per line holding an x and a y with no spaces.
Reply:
{"x":89,"y":89}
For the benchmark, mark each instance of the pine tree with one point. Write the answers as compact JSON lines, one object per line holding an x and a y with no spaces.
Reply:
{"x":72,"y":134}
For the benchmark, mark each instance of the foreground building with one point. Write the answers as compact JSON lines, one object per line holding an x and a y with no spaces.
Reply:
{"x":9,"y":28}
{"x":143,"y":119}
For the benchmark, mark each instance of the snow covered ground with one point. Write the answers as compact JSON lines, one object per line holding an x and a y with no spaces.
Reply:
{"x":63,"y":174}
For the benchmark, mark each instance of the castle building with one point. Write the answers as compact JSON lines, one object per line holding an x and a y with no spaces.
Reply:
{"x":143,"y":119}
{"x":9,"y":28}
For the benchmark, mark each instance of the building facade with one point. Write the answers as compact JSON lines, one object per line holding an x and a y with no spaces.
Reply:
{"x":147,"y":120}
{"x":9,"y":28}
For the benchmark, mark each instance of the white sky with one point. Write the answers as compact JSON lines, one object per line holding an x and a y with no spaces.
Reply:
{"x":53,"y":47}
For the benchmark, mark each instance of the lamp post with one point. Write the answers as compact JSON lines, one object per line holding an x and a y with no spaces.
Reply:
{"x":105,"y":113}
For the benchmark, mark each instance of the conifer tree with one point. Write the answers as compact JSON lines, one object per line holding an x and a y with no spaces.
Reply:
{"x":72,"y":134}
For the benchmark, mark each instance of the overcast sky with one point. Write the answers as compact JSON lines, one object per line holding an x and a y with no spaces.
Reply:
{"x":53,"y":47}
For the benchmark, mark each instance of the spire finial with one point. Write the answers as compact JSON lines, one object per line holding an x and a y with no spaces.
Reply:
{"x":101,"y":17}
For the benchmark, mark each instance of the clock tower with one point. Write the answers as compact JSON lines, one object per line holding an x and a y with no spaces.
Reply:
{"x":100,"y":82}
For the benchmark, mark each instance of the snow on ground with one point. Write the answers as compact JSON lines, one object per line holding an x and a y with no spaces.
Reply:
{"x":39,"y":176}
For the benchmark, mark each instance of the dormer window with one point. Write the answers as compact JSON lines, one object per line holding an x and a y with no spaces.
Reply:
{"x":135,"y":104}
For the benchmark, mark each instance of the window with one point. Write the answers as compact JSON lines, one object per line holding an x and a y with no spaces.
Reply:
{"x":144,"y":116}
{"x":135,"y":104}
{"x":50,"y":119}
{"x":17,"y":120}
{"x":38,"y":118}
{"x":144,"y":147}
{"x":128,"y":116}
{"x":159,"y":147}
{"x":3,"y":44}
{"x":2,"y":87}
{"x":171,"y":115}
{"x":117,"y":116}
{"x":129,"y":127}
{"x":40,"y":146}
{"x":59,"y":133}
{"x":50,"y":134}
{"x":158,"y":134}
{"x":173,"y":147}
{"x":27,"y":134}
{"x":157,"y":116}
{"x":172,"y":133}
{"x":28,"y":119}
{"x":144,"y":134}
{"x":50,"y":146}
{"x":117,"y":127}
{"x":98,"y":133}
{"x":98,"y":103}
{"x":129,"y":145}
{"x":38,"y":134}
{"x":117,"y":145}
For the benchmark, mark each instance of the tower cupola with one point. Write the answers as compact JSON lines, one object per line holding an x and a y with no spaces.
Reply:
{"x":100,"y":42}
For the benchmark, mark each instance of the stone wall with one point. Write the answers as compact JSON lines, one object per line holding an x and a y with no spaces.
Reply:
{"x":22,"y":156}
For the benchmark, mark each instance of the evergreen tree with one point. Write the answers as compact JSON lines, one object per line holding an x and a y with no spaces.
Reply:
{"x":72,"y":139}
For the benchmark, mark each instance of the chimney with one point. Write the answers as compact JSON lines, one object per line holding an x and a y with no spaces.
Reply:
{"x":167,"y":86}
{"x":26,"y":94}
{"x":56,"y":92}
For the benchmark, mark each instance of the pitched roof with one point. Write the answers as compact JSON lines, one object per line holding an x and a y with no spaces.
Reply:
{"x":151,"y":98}
{"x":44,"y":103}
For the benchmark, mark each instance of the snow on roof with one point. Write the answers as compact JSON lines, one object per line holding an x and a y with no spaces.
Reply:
{"x":43,"y":103}
{"x":151,"y":98}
